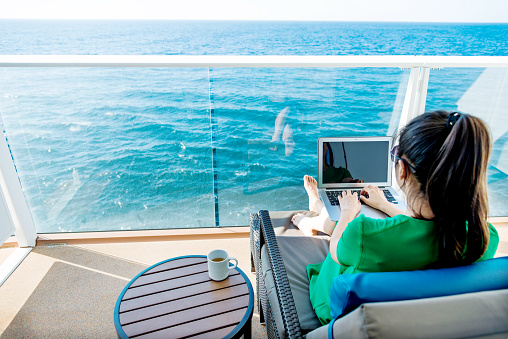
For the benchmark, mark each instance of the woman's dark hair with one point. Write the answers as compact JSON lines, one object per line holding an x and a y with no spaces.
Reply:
{"x":450,"y":152}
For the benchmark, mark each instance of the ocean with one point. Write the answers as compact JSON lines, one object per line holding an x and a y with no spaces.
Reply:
{"x":100,"y":149}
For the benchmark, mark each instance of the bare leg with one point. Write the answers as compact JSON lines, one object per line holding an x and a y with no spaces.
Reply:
{"x":315,"y":204}
{"x":311,"y":225}
{"x":305,"y":224}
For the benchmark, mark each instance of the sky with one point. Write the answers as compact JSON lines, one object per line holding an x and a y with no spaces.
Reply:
{"x":318,"y":10}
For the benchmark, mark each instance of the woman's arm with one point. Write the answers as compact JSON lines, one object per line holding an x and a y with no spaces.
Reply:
{"x":349,"y":208}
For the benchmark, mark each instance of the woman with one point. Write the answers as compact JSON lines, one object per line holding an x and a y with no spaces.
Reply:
{"x":441,"y":165}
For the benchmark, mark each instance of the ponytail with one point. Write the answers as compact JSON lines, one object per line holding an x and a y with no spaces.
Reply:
{"x":451,"y":166}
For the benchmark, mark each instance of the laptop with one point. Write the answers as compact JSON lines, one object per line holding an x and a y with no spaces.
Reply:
{"x":344,"y":161}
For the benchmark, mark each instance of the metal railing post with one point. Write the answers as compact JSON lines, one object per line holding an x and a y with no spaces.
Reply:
{"x":423,"y":84}
{"x":414,"y":104}
{"x":213,"y":127}
{"x":416,"y":95}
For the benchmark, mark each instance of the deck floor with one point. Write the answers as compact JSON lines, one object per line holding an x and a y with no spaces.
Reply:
{"x":70,"y":291}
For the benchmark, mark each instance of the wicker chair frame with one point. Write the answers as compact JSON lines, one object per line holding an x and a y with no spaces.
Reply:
{"x":262,"y":233}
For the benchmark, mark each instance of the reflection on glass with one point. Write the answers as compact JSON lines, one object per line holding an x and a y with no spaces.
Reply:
{"x":333,"y":173}
{"x":349,"y":160}
{"x":288,"y":122}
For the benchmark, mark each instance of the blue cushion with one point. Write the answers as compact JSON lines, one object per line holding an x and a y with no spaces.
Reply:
{"x":351,"y":290}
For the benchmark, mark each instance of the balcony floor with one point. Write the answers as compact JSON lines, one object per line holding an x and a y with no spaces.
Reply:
{"x":70,"y":291}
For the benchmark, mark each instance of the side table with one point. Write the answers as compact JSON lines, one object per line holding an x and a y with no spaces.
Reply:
{"x":176,"y":299}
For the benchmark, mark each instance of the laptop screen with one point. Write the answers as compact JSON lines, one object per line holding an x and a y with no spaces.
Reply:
{"x":354,"y":162}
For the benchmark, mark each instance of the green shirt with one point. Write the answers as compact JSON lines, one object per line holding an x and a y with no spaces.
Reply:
{"x":400,"y":243}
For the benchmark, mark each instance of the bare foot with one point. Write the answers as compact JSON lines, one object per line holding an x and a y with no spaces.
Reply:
{"x":303,"y":226}
{"x":310,"y":185}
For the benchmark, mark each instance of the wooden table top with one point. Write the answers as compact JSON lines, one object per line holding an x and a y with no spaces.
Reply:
{"x":176,"y":299}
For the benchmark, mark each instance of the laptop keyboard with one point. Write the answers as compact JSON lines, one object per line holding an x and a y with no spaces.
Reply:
{"x":333,"y":196}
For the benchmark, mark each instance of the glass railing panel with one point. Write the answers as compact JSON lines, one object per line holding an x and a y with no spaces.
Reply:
{"x":112,"y":148}
{"x":482,"y":92}
{"x":269,"y":121}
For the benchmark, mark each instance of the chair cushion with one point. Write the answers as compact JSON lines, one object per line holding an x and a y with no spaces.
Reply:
{"x":470,"y":315}
{"x":295,"y":264}
{"x":351,"y":290}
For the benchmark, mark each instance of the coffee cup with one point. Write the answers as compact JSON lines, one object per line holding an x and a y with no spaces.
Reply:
{"x":218,"y":264}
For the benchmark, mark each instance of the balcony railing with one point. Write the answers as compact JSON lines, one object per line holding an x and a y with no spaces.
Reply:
{"x":206,"y":130}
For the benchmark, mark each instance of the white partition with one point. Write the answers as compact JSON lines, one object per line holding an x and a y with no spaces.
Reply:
{"x":6,"y":226}
{"x":6,"y":230}
{"x":14,"y":213}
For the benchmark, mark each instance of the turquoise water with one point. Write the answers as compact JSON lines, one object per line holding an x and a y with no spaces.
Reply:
{"x":107,"y":149}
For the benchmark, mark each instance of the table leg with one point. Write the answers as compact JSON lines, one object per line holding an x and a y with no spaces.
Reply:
{"x":247,"y":333}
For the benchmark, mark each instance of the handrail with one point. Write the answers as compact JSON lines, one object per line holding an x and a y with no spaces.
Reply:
{"x":399,"y":61}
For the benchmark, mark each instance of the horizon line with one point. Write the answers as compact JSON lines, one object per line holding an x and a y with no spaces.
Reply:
{"x":257,"y":20}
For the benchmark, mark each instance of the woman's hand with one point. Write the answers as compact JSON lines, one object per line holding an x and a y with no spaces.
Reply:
{"x":350,"y":206}
{"x":374,"y":197}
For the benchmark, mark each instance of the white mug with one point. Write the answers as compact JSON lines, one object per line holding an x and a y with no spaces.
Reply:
{"x":218,"y":264}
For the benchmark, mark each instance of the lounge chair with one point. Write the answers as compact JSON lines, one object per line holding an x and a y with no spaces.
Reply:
{"x":280,"y":253}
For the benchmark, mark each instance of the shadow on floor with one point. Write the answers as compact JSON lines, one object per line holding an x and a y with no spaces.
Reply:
{"x":76,"y":297}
